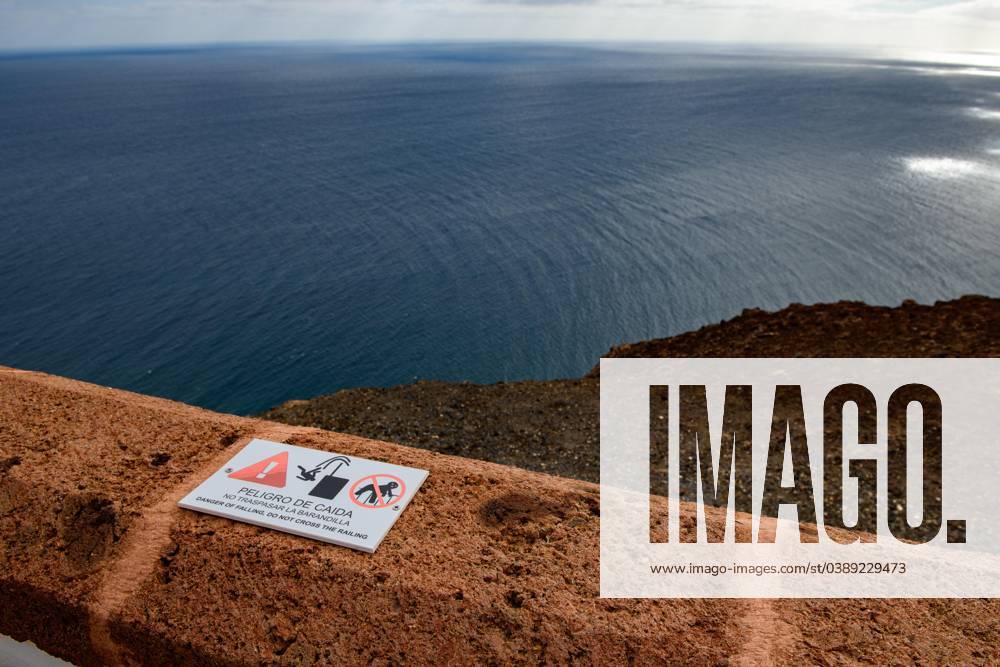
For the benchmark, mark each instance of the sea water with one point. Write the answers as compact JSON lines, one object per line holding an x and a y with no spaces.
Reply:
{"x":236,"y":227}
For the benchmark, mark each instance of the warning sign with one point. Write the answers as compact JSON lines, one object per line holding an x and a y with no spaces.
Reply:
{"x":330,"y":499}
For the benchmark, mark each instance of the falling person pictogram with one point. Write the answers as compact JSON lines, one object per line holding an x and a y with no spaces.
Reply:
{"x":329,"y":485}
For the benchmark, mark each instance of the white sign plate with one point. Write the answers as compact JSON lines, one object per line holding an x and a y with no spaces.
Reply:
{"x":343,"y":500}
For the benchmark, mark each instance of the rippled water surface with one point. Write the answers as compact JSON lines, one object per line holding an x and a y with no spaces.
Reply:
{"x":238,"y":227}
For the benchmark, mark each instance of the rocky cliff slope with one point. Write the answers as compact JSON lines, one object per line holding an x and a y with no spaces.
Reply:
{"x":552,"y":426}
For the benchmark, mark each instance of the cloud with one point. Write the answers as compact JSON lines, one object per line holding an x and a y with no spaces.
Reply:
{"x":966,"y":24}
{"x":539,"y":3}
{"x":973,"y":10}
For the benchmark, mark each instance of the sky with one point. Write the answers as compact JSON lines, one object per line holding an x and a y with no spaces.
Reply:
{"x":913,"y":25}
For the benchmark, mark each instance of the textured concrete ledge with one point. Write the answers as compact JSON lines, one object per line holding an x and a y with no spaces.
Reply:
{"x":488,"y":565}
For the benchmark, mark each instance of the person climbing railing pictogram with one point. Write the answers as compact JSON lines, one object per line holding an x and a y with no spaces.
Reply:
{"x":384,"y":494}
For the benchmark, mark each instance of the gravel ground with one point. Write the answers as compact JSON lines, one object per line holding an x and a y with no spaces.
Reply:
{"x":543,"y":426}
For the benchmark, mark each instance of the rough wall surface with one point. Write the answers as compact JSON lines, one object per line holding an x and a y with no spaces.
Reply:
{"x":488,"y":565}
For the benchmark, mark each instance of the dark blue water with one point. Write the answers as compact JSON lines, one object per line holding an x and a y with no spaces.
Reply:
{"x":234,"y":228}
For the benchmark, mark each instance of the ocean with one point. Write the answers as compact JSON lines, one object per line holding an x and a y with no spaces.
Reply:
{"x":235,"y":227}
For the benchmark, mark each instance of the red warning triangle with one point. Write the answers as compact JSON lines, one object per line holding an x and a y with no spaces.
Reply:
{"x":271,"y":471}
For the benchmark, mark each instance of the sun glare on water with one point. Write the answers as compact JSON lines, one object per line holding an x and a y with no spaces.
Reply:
{"x":945,"y":63}
{"x":985,"y":114}
{"x":942,"y":167}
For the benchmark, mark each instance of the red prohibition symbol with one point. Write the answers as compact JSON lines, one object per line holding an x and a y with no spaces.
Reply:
{"x":377,"y":491}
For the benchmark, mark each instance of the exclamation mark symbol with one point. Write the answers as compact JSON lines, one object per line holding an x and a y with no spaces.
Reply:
{"x":268,"y":468}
